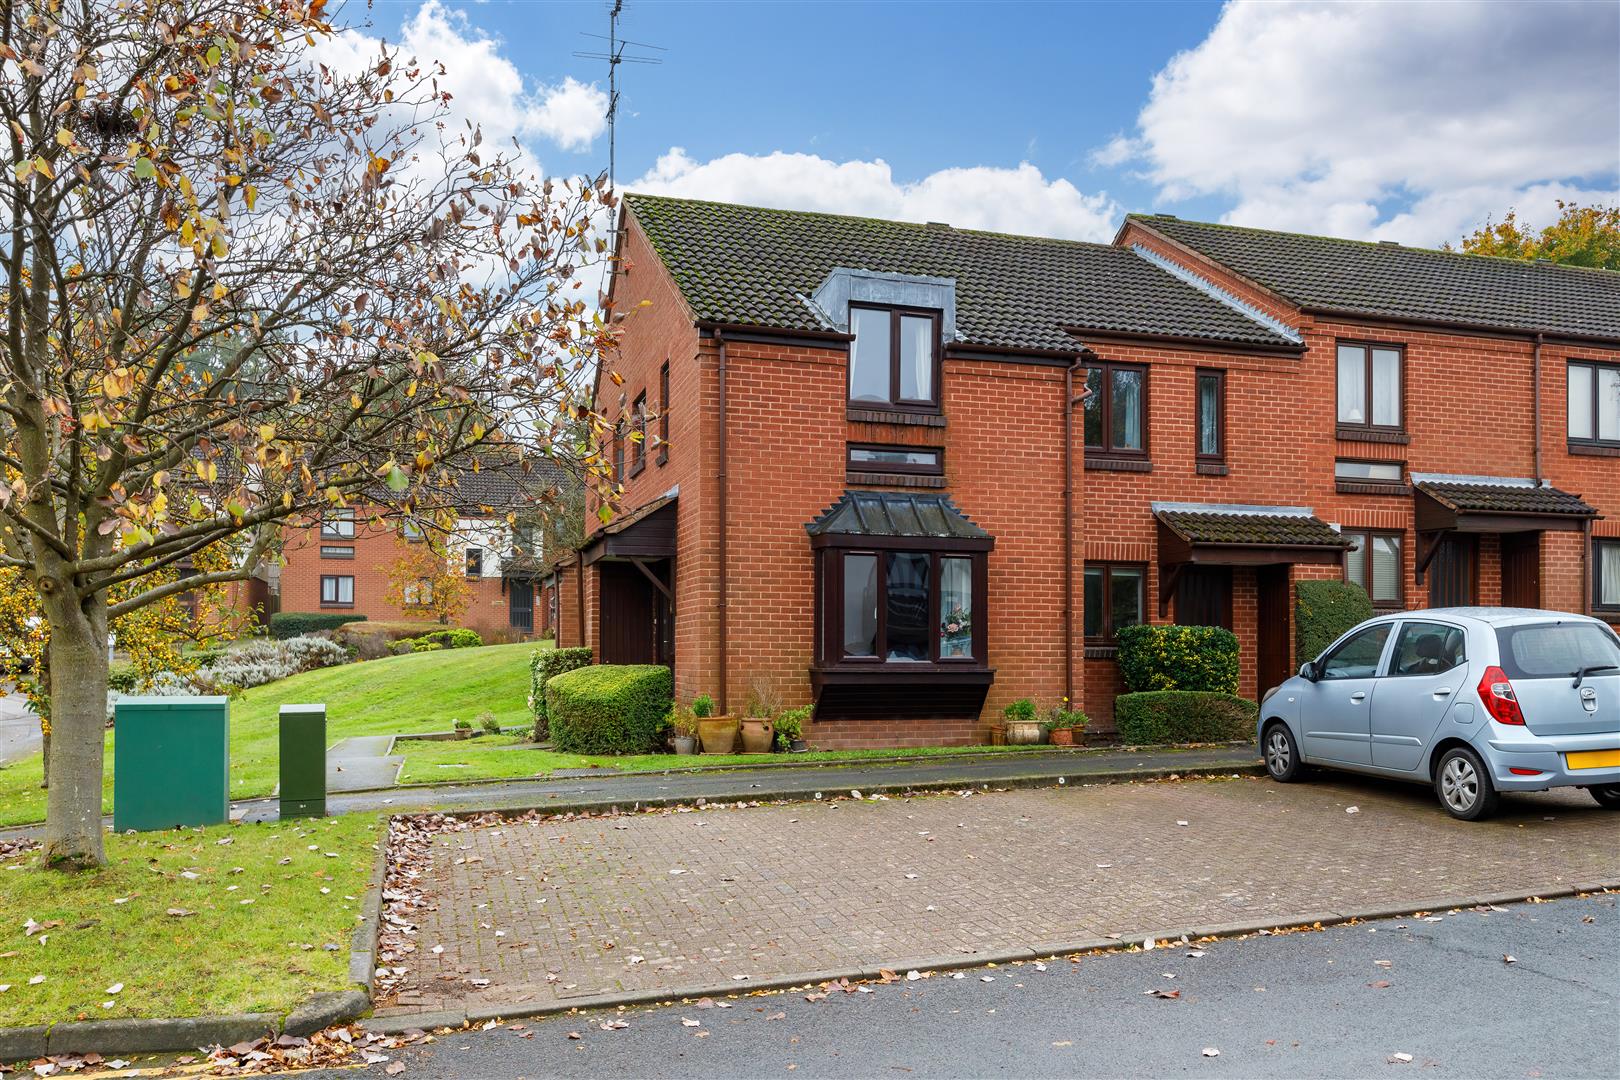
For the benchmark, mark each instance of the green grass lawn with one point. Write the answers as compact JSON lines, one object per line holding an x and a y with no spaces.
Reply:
{"x":415,"y":692}
{"x":494,"y":756}
{"x":228,"y":955}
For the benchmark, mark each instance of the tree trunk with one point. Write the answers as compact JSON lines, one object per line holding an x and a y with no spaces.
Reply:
{"x":78,"y":672}
{"x":45,"y":715}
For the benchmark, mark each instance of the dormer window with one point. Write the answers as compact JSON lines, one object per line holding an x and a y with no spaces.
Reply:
{"x":894,"y":359}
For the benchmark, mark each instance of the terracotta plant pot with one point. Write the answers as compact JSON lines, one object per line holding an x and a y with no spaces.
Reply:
{"x":719,"y":734}
{"x":685,"y":744}
{"x":1023,"y":732}
{"x":998,"y":735}
{"x":758,"y":735}
{"x":1062,"y":736}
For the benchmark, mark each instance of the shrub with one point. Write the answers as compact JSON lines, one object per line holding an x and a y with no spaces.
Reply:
{"x":544,"y":665}
{"x":264,"y":660}
{"x":424,"y":645}
{"x":453,"y":637}
{"x":1020,"y":711}
{"x":487,"y":721}
{"x":291,"y":624}
{"x":609,"y":708}
{"x":1178,"y":658}
{"x":703,"y":706}
{"x":790,"y":724}
{"x":1322,"y":611}
{"x":1060,"y":716}
{"x":1176,"y":716}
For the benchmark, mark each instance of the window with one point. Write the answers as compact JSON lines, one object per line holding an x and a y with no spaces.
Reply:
{"x":1116,"y":411}
{"x":475,"y":561}
{"x":1594,"y":404}
{"x":338,"y":524}
{"x":1369,"y":386}
{"x":1374,"y":563}
{"x":663,"y":413}
{"x":1606,"y":574}
{"x":410,"y":530}
{"x":1211,"y":417}
{"x":1357,"y":657}
{"x":333,"y":551}
{"x":526,"y":539}
{"x":894,"y":359}
{"x":906,"y":607}
{"x":417,"y":593}
{"x":1114,"y":598}
{"x":868,"y":457}
{"x":1426,"y":648}
{"x":638,"y":445}
{"x":1376,"y":472}
{"x":1555,"y":650}
{"x":337,"y":591}
{"x":618,"y":452}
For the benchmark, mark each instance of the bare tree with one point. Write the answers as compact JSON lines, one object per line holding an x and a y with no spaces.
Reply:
{"x":242,"y":284}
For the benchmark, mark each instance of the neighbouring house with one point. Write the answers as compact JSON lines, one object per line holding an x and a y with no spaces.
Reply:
{"x":343,"y":561}
{"x":911,"y":472}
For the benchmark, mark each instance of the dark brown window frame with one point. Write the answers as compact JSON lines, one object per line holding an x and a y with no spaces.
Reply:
{"x":1349,"y":485}
{"x":895,"y":402}
{"x":474,"y":551}
{"x":829,"y":618}
{"x":1108,"y":566}
{"x":329,"y":532}
{"x":618,"y":452}
{"x":1399,"y":535}
{"x":1595,"y":366}
{"x":638,"y":447}
{"x":1107,"y":451}
{"x":336,"y":591}
{"x":424,"y":594}
{"x":663,"y":414}
{"x":1597,"y":575}
{"x":936,"y":469}
{"x":1199,"y":375}
{"x":337,"y":551}
{"x":1346,"y":429}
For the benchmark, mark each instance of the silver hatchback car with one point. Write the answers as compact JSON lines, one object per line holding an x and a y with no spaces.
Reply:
{"x":1474,"y":701}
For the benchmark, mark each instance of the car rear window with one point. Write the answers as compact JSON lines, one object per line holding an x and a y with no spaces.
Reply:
{"x":1555,"y":649}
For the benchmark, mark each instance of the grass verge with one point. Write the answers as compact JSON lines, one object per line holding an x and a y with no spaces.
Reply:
{"x":271,"y":912}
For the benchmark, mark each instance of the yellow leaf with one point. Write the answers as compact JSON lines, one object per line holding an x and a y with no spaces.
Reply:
{"x":267,"y":432}
{"x":250,"y":194}
{"x":64,"y":137}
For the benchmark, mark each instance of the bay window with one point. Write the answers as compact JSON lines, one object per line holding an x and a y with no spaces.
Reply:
{"x":904,"y":607}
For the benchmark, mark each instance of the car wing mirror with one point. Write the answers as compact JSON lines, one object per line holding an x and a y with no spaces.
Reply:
{"x":1307,"y":670}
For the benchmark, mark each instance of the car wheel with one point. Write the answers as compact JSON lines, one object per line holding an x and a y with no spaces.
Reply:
{"x":1463,"y":786}
{"x":1282,"y":755}
{"x":1607,"y":795}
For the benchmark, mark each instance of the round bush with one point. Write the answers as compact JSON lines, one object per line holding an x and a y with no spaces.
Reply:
{"x":1166,"y":657}
{"x":610,"y":708}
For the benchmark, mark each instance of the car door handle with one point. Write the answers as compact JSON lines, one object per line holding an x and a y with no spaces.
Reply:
{"x":1358,"y":695}
{"x":1444,"y":691}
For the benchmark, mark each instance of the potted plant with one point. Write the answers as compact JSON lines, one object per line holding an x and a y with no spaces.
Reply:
{"x":1065,"y":726}
{"x":758,"y":731}
{"x":717,"y":733}
{"x":1023,"y":726}
{"x":685,"y":723}
{"x":790,"y":729}
{"x":463,"y":729}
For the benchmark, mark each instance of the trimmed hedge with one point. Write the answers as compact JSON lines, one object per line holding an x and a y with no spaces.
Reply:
{"x":1178,"y":658}
{"x":453,"y":637}
{"x":1322,"y":611}
{"x":544,"y":665}
{"x":1181,"y":716}
{"x":610,"y":708}
{"x":291,"y":624}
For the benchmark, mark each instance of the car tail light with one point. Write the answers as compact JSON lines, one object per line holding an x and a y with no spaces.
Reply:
{"x":1497,"y":694}
{"x":1516,"y":771}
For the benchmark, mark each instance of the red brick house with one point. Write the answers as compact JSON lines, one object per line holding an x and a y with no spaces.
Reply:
{"x":341,"y":562}
{"x":871,"y":474}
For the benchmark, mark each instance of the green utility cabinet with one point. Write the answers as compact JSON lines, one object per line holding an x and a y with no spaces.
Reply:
{"x":171,"y":762}
{"x":303,"y":761}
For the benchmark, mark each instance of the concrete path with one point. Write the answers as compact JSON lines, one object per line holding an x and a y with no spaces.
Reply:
{"x":19,"y":728}
{"x":537,"y":913}
{"x":1301,"y":1005}
{"x":362,"y":763}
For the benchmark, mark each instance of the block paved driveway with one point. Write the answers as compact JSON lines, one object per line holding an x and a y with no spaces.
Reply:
{"x":547,"y":911}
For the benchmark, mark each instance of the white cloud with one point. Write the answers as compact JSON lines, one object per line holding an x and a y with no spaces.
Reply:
{"x":1018,"y":199}
{"x":1321,"y":116}
{"x":571,"y":114}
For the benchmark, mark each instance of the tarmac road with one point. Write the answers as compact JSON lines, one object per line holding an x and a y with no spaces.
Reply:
{"x":1296,"y":1005}
{"x":19,"y":728}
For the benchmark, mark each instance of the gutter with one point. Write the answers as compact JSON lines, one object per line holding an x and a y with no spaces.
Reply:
{"x":1070,"y":400}
{"x":723,"y":515}
{"x":1535,"y":408}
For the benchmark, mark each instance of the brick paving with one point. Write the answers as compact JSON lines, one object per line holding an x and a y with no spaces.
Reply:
{"x":548,"y":911}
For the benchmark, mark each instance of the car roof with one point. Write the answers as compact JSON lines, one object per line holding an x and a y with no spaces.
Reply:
{"x":1494,"y":616}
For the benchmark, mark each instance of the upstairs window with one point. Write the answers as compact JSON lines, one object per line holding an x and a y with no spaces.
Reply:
{"x":1594,"y":404}
{"x":894,"y":359}
{"x":1369,"y":386}
{"x":663,"y":414}
{"x":638,"y":447}
{"x":1211,"y":417}
{"x":1116,"y":411}
{"x":338,"y":524}
{"x":475,"y":561}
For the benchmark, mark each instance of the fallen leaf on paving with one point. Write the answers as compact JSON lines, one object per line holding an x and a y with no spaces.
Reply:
{"x":687,"y":1022}
{"x":1195,"y":953}
{"x":1210,"y":1051}
{"x":777,"y":1016}
{"x":1352,"y":809}
{"x":1506,"y":959}
{"x":1399,"y":1059}
{"x":613,"y":1025}
{"x":816,"y":996}
{"x":575,"y":1035}
{"x":1168,"y":995}
{"x":986,"y":978}
{"x":1065,"y":1042}
{"x":1383,"y":963}
{"x":1183,"y":824}
{"x":1381,"y":984}
{"x":700,"y":1034}
{"x":394,"y":1068}
{"x":437,"y":949}
{"x":886,"y":975}
{"x":913,"y":976}
{"x":638,"y":959}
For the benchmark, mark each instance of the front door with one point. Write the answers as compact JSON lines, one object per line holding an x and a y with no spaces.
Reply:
{"x":1521,"y":570}
{"x":520,"y":605}
{"x":628,"y":615}
{"x":1271,"y":663}
{"x":1204,"y":596}
{"x":1454,"y":572}
{"x":1335,"y":715}
{"x":1427,"y":672}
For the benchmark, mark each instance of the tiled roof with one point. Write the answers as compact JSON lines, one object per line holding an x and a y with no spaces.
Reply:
{"x":1255,"y":529}
{"x":1409,"y":283}
{"x":752,"y":266}
{"x":1505,"y":498}
{"x":894,"y":513}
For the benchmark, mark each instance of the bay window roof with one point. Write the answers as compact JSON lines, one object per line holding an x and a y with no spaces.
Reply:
{"x":898,"y":515}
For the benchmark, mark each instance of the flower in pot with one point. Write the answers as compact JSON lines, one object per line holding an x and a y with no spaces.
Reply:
{"x":1066,"y":726}
{"x":1023,"y":726}
{"x":790,"y":729}
{"x":956,"y":632}
{"x":717,"y":733}
{"x":758,"y":731}
{"x":463,"y":729}
{"x":685,"y":724}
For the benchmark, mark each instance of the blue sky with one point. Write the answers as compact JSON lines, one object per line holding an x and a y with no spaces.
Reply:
{"x":1408,"y":122}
